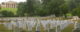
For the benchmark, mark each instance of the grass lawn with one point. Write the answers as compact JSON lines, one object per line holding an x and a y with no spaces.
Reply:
{"x":68,"y":29}
{"x":78,"y":21}
{"x":4,"y":29}
{"x":10,"y":9}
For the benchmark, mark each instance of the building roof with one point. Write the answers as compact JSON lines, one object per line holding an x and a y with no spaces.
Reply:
{"x":10,"y":2}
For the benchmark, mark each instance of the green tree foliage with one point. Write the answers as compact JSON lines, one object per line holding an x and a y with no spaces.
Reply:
{"x":44,"y":8}
{"x":52,"y":6}
{"x":73,"y":7}
{"x":47,"y":7}
{"x":76,"y":11}
{"x":6,"y":14}
{"x":73,"y":4}
{"x":21,"y":9}
{"x":64,"y":10}
{"x":29,"y":8}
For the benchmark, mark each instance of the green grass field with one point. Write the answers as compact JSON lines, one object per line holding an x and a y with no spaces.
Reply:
{"x":3,"y":28}
{"x":14,"y":10}
{"x":68,"y":29}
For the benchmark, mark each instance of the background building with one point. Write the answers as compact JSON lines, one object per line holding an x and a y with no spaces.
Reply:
{"x":9,"y":4}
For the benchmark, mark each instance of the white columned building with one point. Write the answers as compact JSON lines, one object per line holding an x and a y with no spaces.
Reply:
{"x":9,"y":4}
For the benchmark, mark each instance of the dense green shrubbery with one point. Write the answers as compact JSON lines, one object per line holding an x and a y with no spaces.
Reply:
{"x":6,"y":14}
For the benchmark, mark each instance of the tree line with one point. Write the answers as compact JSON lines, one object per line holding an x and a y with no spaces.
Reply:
{"x":48,"y":7}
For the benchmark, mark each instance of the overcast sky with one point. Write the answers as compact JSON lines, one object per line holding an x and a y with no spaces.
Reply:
{"x":12,"y":0}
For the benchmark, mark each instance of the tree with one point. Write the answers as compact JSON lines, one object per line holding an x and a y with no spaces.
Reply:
{"x":52,"y":6}
{"x":21,"y":9}
{"x":73,"y":7}
{"x":64,"y":10}
{"x":6,"y":13}
{"x":29,"y":8}
{"x":33,"y":6}
{"x":73,"y":4}
{"x":43,"y":8}
{"x":76,"y":11}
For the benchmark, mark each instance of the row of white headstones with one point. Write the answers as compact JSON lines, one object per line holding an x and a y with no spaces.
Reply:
{"x":31,"y":23}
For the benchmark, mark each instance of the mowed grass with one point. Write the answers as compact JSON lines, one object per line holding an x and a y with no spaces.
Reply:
{"x":69,"y":28}
{"x":78,"y":21}
{"x":3,"y":28}
{"x":14,"y":10}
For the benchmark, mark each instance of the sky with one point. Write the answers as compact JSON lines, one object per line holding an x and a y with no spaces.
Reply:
{"x":12,"y":0}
